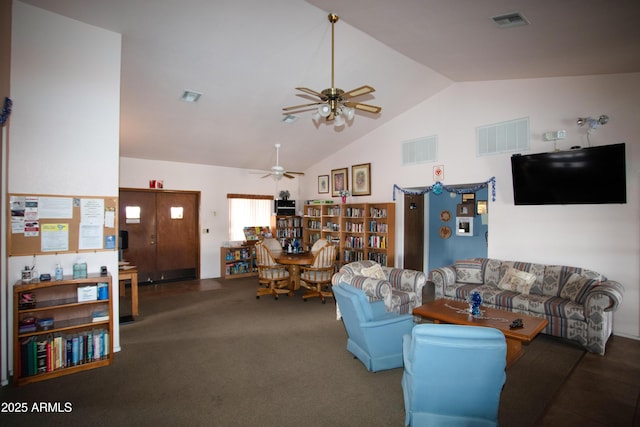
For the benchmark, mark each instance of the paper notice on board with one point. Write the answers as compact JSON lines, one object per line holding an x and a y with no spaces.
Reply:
{"x":55,"y":207}
{"x":90,"y":236}
{"x":92,"y":212}
{"x":55,"y":237}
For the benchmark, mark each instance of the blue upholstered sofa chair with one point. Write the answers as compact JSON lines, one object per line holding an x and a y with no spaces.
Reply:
{"x":453,"y":375}
{"x":374,"y":335}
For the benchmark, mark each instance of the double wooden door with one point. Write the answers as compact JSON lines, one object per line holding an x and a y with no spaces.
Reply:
{"x":163,"y":238}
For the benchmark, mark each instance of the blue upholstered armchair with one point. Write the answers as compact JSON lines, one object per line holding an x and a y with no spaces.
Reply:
{"x":453,"y":375}
{"x":374,"y":336}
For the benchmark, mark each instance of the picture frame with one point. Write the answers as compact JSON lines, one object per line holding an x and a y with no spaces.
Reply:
{"x":339,"y":181}
{"x":464,"y":226}
{"x":323,"y":184}
{"x":466,"y":209}
{"x":468,"y":197}
{"x":361,"y":179}
{"x":482,"y":207}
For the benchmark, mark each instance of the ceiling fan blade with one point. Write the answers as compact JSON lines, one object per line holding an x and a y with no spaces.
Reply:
{"x":364,"y":107}
{"x":295,"y":173}
{"x":362,"y":90}
{"x":297,"y":107}
{"x":286,"y":175}
{"x":312,"y":92}
{"x":266,"y":176}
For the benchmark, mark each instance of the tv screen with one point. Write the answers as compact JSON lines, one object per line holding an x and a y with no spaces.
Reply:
{"x":593,"y":175}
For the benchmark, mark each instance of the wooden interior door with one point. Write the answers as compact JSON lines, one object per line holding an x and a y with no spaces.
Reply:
{"x":162,"y":246}
{"x":142,"y":232}
{"x":414,"y":232}
{"x":177,"y":246}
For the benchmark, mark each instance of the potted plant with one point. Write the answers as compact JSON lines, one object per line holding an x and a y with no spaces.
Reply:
{"x":284,"y":194}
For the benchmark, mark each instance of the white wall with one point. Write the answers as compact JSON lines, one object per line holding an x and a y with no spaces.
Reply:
{"x":605,"y":238}
{"x":65,"y":84}
{"x":213,"y":183}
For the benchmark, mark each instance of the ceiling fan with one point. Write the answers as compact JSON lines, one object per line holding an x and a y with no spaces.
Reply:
{"x":277,"y":171}
{"x":335,"y":104}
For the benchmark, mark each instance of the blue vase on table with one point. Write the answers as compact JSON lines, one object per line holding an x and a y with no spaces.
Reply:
{"x":475,"y":301}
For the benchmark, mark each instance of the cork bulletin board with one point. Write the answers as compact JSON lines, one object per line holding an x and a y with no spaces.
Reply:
{"x":40,"y":224}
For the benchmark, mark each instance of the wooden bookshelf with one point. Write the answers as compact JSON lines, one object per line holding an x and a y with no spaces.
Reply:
{"x":360,"y":230}
{"x":80,"y":336}
{"x":286,"y":228}
{"x":237,"y":262}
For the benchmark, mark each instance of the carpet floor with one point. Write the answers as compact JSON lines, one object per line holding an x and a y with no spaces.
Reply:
{"x":221,"y":357}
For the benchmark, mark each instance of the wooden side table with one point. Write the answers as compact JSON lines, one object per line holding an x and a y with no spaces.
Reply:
{"x":132,"y":275}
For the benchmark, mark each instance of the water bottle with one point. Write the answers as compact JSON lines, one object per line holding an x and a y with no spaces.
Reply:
{"x":58,"y":273}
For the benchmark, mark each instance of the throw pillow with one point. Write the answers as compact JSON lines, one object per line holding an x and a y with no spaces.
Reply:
{"x":375,"y":271}
{"x":517,"y":281}
{"x":576,"y":287}
{"x":470,"y":271}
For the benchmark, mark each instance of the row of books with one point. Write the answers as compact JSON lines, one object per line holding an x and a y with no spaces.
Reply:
{"x":378,"y":227}
{"x":354,"y":212}
{"x":354,"y":227}
{"x":46,"y":353}
{"x":314,"y":212}
{"x":352,"y":256}
{"x":378,"y":213}
{"x":354,"y":242}
{"x":240,"y":268}
{"x":378,"y":242}
{"x":289,"y":222}
{"x":380,"y":258}
{"x":238,"y":254}
{"x":288,"y":233}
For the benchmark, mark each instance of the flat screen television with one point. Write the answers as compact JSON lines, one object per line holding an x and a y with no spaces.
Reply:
{"x":593,"y":175}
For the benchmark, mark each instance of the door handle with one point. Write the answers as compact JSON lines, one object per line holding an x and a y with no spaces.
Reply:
{"x":153,"y":239}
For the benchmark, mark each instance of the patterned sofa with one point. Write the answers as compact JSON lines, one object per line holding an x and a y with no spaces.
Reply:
{"x":577,"y":303}
{"x":400,"y":289}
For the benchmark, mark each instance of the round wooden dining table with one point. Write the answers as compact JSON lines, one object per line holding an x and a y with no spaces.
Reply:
{"x":294,"y":261}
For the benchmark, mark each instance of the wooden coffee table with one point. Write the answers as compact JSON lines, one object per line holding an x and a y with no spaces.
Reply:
{"x":457,"y":313}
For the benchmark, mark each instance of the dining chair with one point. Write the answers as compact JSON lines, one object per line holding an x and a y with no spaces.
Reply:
{"x":319,"y":244}
{"x":274,"y":278}
{"x":318,"y":275}
{"x":273,"y":244}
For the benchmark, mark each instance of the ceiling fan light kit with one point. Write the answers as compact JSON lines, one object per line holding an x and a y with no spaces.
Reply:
{"x":335,"y":104}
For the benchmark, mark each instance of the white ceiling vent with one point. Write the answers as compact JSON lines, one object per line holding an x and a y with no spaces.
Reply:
{"x":190,"y":96}
{"x":509,"y":20}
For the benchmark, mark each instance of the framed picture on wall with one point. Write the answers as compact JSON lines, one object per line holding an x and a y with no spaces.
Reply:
{"x":323,"y":184}
{"x":361,"y":179}
{"x":339,"y":181}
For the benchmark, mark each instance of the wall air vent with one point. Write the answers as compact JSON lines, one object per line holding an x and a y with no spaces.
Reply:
{"x":420,"y":150}
{"x":509,"y":20}
{"x":505,"y":137}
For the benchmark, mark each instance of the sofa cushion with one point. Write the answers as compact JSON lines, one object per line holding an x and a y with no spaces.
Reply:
{"x":375,"y":271}
{"x":576,"y":287}
{"x":470,"y":271}
{"x":517,"y":281}
{"x":537,"y":270}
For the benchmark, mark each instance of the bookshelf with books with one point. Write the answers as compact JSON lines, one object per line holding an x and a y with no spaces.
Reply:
{"x":238,"y":261}
{"x":311,"y":226}
{"x":286,"y":228}
{"x":362,"y":231}
{"x":61,"y":327}
{"x":380,"y":232}
{"x":354,"y":231}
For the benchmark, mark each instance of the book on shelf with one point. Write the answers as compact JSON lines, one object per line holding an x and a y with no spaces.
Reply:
{"x":100,"y":316}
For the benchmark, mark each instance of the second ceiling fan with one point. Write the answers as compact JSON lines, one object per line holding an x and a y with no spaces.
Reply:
{"x":335,"y":104}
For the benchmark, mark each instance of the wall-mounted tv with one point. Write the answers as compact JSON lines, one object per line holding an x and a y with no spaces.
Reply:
{"x":593,"y":175}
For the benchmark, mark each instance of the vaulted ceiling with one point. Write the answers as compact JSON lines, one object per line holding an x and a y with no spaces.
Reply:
{"x":247,"y":57}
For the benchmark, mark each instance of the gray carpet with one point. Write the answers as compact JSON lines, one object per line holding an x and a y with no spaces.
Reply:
{"x":223,"y":358}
